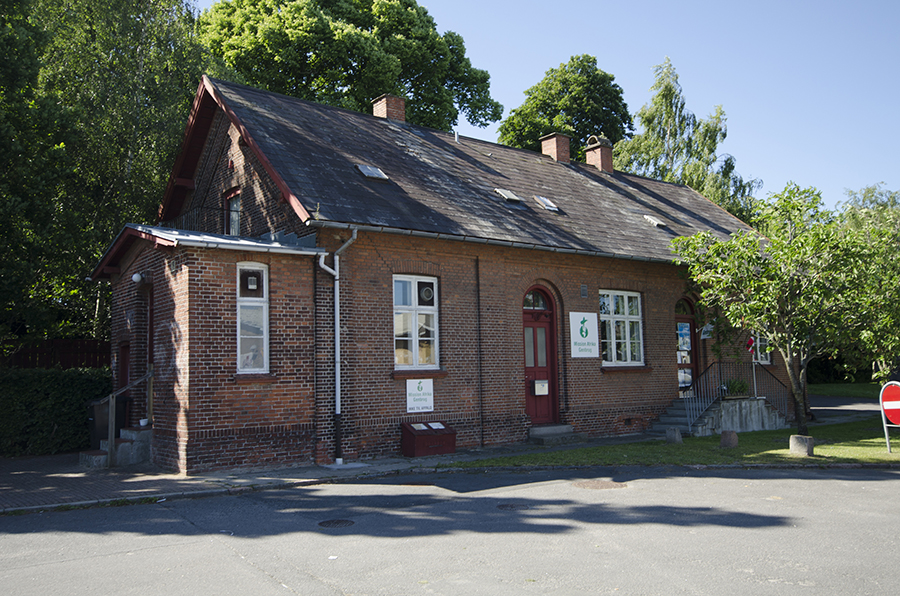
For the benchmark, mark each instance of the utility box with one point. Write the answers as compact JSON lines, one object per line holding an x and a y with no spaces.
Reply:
{"x":426,"y":438}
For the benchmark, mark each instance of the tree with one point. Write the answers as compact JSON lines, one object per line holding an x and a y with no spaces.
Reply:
{"x":806,"y":283}
{"x":875,"y":210}
{"x":577,"y":99}
{"x":348,"y":52}
{"x":676,"y":146}
{"x":33,"y":163}
{"x":108,"y":87}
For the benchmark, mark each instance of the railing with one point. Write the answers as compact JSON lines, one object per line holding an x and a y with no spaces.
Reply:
{"x":111,"y":425}
{"x":726,"y":378}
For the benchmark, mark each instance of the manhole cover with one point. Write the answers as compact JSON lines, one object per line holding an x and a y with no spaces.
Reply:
{"x":336,"y":523}
{"x":512,"y":507}
{"x":599,"y":484}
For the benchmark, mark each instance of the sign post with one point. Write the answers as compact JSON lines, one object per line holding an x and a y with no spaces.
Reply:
{"x":890,"y":409}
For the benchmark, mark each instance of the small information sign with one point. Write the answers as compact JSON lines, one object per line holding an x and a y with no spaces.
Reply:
{"x":419,"y":395}
{"x":585,"y":336}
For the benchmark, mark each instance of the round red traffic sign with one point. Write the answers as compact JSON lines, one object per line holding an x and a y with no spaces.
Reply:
{"x":890,"y":401}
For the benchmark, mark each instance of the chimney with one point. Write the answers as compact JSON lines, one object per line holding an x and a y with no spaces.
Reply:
{"x":556,"y":145}
{"x":599,"y":153}
{"x":390,"y":107}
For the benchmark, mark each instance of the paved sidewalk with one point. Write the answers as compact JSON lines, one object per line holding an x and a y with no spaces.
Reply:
{"x":53,"y":481}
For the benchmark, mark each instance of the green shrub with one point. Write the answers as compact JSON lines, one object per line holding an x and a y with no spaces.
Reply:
{"x":44,"y":411}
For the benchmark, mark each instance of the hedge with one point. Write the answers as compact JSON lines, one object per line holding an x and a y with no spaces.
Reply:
{"x":44,"y":411}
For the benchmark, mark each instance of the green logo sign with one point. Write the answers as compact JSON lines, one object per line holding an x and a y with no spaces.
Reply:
{"x":419,"y":388}
{"x":583,"y":331}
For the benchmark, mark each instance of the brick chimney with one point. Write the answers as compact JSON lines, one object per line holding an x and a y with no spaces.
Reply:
{"x":599,"y":153}
{"x":556,"y":145}
{"x":390,"y":107}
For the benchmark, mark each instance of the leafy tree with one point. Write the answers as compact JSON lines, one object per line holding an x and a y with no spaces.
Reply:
{"x":875,"y":210}
{"x":806,"y":283}
{"x":32,"y":167}
{"x":126,"y":70}
{"x":348,"y":52}
{"x":577,"y":99}
{"x":676,"y":146}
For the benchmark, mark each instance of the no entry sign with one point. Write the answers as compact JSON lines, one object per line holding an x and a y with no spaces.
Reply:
{"x":890,"y":409}
{"x":890,"y":401}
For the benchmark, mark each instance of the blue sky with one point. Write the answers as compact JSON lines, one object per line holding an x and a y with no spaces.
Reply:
{"x":810,"y":88}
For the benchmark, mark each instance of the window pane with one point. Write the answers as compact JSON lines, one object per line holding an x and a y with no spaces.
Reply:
{"x":621,"y":342}
{"x":529,"y":346}
{"x":252,"y":284}
{"x":635,"y":335}
{"x":402,"y":352}
{"x":427,"y":352}
{"x":251,"y":354}
{"x":402,"y":324}
{"x":604,"y":304}
{"x":605,"y":344}
{"x":618,"y":304}
{"x":426,"y":293}
{"x":402,"y":292}
{"x":252,"y":321}
{"x":234,"y":216}
{"x":426,"y":326}
{"x":634,"y":306}
{"x":541,"y":346}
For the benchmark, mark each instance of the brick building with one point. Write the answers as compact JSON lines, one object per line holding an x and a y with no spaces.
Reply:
{"x":494,"y":289}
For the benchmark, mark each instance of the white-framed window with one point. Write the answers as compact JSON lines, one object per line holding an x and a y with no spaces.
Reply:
{"x":621,"y":328}
{"x":415,"y":322}
{"x":233,"y":212}
{"x":761,"y":353}
{"x":252,"y":318}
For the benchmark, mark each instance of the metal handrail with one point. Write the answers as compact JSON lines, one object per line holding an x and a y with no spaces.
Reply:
{"x":111,"y":423}
{"x":711,"y":386}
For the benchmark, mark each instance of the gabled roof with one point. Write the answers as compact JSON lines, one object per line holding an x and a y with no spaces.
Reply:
{"x":440,"y":186}
{"x":111,"y":262}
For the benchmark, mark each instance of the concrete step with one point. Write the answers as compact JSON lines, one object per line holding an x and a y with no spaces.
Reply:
{"x":94,"y":459}
{"x":553,"y":434}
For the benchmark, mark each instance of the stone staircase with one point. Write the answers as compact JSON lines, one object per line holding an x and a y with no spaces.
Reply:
{"x":674,"y":417}
{"x":739,"y":415}
{"x":133,"y":447}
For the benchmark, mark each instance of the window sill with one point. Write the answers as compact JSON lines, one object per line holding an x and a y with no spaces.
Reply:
{"x":624,"y":369}
{"x":424,"y":373}
{"x":254,"y":378}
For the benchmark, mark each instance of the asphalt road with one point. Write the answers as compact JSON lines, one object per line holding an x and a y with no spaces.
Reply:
{"x":600,"y":531}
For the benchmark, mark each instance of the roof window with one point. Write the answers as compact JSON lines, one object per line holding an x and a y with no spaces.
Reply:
{"x":508,"y":195}
{"x":656,"y":222}
{"x":372,"y":172}
{"x":546,"y":203}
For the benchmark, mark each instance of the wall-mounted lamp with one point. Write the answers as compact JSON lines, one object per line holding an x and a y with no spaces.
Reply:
{"x":137,"y":278}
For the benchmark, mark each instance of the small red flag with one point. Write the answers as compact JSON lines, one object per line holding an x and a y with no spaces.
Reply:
{"x":750,"y":345}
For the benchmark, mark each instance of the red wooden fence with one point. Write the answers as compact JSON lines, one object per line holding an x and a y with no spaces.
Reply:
{"x":62,"y":353}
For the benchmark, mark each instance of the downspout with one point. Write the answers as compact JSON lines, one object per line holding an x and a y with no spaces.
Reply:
{"x":336,"y":273}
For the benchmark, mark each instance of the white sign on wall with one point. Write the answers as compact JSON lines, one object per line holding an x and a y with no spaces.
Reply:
{"x":585,"y":334}
{"x":419,"y":395}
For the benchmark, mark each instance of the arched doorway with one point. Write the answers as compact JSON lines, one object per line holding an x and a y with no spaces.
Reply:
{"x":538,"y":327}
{"x":686,"y":346}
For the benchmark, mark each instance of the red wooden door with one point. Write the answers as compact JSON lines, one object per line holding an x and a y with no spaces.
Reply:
{"x":540,"y":358}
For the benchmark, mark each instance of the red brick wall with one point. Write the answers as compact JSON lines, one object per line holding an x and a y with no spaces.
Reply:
{"x":489,"y":407}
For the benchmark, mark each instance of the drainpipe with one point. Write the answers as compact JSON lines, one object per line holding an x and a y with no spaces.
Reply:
{"x":336,"y":273}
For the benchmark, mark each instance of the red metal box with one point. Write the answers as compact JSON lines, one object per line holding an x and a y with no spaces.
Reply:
{"x":426,"y":438}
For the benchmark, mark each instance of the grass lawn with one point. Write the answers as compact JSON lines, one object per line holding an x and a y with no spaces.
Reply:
{"x":861,"y":390}
{"x":848,"y":443}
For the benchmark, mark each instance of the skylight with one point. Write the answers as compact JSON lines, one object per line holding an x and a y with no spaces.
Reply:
{"x":372,"y":172}
{"x":508,"y":195}
{"x":546,"y":203}
{"x":656,"y":222}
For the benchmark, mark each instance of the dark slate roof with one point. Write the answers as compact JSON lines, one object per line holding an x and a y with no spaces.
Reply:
{"x":440,"y":186}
